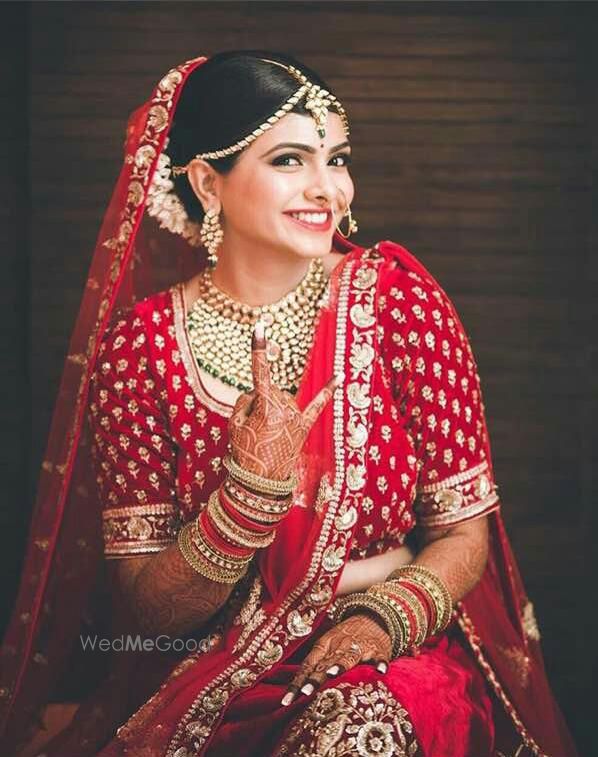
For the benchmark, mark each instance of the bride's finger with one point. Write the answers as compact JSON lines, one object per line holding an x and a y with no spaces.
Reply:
{"x":315,"y":407}
{"x":259,"y":361}
{"x":242,"y":408}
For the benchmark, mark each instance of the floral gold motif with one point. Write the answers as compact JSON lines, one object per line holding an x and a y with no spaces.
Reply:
{"x":270,"y":654}
{"x":362,"y":316}
{"x":360,"y":719}
{"x":355,"y":476}
{"x":333,"y":559}
{"x":325,"y":493}
{"x":365,"y":277}
{"x":357,"y":396}
{"x":482,"y":486}
{"x":358,"y":434}
{"x":158,"y":117}
{"x":362,"y":356}
{"x":448,"y":499}
{"x":298,"y":625}
{"x":214,"y":702}
{"x":347,"y":520}
{"x":320,"y":596}
{"x":242,"y":678}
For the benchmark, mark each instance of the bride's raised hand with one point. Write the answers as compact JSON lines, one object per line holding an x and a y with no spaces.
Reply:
{"x":267,"y":429}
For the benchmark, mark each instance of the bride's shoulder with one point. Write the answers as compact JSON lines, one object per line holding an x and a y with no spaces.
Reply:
{"x":145,"y":315}
{"x":404,"y":278}
{"x":395,"y":264}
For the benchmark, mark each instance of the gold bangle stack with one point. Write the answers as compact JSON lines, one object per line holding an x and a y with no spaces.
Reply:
{"x":233,"y":532}
{"x":206,"y":562}
{"x":259,"y":508}
{"x":379,"y":606}
{"x":433,"y":586}
{"x":390,"y":589}
{"x":211,"y":553}
{"x":268,"y":486}
{"x":406,"y":612}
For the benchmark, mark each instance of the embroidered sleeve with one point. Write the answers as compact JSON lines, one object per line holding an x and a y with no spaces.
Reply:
{"x":133,"y":454}
{"x":436,"y":383}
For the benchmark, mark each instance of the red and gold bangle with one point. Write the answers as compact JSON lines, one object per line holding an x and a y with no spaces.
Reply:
{"x":434,"y":586}
{"x":231,"y":531}
{"x":426,"y":600}
{"x":268,"y":486}
{"x":202,"y":565}
{"x":266,"y":519}
{"x":231,"y":509}
{"x":380,"y":607}
{"x":423,"y":598}
{"x":255,"y":501}
{"x":414,"y":607}
{"x":209,"y":535}
{"x":403,"y":615}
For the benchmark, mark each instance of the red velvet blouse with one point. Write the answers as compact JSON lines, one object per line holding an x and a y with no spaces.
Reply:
{"x":159,"y":437}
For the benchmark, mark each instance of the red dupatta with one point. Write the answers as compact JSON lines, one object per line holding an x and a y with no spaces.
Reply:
{"x":300,"y":571}
{"x":63,"y":558}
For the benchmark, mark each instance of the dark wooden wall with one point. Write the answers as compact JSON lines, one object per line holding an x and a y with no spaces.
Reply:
{"x":472,"y":128}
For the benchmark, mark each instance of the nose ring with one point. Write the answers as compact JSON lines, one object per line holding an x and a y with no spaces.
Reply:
{"x":353,"y":227}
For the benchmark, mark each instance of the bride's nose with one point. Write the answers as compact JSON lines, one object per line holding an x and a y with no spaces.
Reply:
{"x":323,"y":190}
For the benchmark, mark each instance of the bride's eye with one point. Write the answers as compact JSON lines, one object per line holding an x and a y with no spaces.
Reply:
{"x":285,"y":160}
{"x":344,"y":158}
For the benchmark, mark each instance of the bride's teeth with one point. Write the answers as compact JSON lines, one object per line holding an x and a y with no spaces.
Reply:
{"x":315,"y":218}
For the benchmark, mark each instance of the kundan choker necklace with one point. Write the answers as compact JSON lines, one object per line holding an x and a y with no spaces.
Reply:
{"x":220,"y":330}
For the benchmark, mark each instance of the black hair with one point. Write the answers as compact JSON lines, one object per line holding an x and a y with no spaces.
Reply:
{"x":223,"y":101}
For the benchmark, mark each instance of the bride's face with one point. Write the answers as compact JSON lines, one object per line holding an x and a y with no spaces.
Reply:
{"x":288,"y":171}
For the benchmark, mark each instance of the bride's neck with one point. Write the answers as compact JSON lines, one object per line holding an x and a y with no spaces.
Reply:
{"x":257,"y":279}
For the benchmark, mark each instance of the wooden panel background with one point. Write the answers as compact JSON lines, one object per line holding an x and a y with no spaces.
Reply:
{"x":472,"y":128}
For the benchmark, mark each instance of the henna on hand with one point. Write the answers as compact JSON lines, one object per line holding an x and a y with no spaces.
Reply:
{"x":267,"y":429}
{"x":357,"y":639}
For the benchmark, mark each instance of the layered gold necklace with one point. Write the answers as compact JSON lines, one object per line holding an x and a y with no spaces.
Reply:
{"x":220,"y":330}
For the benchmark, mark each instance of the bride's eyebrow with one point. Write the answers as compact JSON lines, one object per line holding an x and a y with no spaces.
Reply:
{"x":303,"y":148}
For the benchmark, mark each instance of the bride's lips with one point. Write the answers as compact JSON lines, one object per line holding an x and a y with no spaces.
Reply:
{"x":307,"y":224}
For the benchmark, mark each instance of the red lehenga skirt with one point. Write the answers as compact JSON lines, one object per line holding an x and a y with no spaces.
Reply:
{"x":436,"y":703}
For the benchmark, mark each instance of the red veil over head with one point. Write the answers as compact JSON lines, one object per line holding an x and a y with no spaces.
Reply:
{"x":62,"y":577}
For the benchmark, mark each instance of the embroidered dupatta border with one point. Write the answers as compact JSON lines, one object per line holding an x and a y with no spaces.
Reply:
{"x":469,"y":632}
{"x":295,"y":618}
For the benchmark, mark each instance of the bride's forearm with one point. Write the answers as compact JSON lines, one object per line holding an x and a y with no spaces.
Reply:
{"x":458,"y":555}
{"x":359,"y":575}
{"x":163,"y":594}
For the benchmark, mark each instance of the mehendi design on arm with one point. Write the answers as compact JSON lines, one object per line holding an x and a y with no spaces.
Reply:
{"x":457,"y":555}
{"x":168,"y":596}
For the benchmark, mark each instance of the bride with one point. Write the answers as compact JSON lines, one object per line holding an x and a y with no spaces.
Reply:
{"x":283,"y":435}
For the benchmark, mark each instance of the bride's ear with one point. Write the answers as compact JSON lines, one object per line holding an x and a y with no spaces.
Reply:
{"x":203,"y":180}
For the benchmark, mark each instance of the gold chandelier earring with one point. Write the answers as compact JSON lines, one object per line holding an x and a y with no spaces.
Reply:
{"x":211,"y":234}
{"x":353,"y":227}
